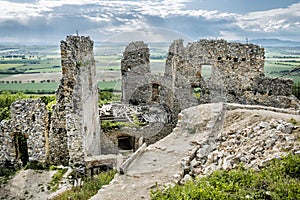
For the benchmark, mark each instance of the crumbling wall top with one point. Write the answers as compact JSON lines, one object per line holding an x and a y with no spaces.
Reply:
{"x":136,"y":58}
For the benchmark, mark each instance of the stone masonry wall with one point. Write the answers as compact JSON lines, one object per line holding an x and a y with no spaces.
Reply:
{"x":7,"y":148}
{"x":29,"y":119}
{"x":135,"y":66}
{"x":237,"y":74}
{"x":75,"y":128}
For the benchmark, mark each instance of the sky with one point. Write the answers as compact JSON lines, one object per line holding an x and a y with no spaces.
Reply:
{"x":50,"y":21}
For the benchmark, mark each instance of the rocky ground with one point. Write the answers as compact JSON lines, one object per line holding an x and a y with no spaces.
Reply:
{"x":208,"y":137}
{"x":27,"y":184}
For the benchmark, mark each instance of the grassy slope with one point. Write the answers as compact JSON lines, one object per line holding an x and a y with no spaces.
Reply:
{"x":280,"y":180}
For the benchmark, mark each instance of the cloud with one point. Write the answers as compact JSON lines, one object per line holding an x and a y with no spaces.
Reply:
{"x":103,"y":18}
{"x":272,"y":20}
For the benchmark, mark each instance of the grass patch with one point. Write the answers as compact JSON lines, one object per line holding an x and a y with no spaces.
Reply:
{"x":30,"y":87}
{"x":107,"y":125}
{"x":114,"y":85}
{"x":56,"y":178}
{"x":294,"y":122}
{"x":279,"y":180}
{"x":89,"y":188}
{"x":5,"y":175}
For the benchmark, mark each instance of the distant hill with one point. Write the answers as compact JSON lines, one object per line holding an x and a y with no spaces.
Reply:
{"x":275,"y":42}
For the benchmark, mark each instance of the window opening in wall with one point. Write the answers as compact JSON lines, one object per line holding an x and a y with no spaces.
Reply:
{"x":21,"y":148}
{"x":206,"y":71}
{"x":235,"y":59}
{"x":126,"y":143}
{"x":155,"y":92}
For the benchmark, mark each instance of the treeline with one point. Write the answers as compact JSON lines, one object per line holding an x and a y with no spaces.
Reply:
{"x":35,"y":92}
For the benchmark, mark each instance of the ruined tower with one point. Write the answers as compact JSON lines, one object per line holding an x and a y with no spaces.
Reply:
{"x":135,"y":66}
{"x":75,"y":127}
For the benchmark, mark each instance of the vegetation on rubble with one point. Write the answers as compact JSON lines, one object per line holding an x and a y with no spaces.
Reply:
{"x":279,"y":180}
{"x":108,"y":125}
{"x":107,"y":96}
{"x":7,"y":98}
{"x":56,"y":178}
{"x":89,"y":188}
{"x":6,"y":174}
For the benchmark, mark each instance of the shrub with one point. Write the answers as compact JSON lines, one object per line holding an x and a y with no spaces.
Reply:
{"x":279,"y":180}
{"x":89,"y":188}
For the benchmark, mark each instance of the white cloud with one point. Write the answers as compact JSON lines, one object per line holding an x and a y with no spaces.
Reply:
{"x":230,"y":35}
{"x":271,"y":20}
{"x":20,"y":11}
{"x":109,"y":17}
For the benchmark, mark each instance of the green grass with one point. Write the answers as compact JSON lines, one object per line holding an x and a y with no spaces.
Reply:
{"x":5,"y":175}
{"x":90,"y":187}
{"x":50,"y":87}
{"x":279,"y":180}
{"x":29,"y":66}
{"x":56,"y":178}
{"x":278,"y":70}
{"x":7,"y":66}
{"x":5,"y":75}
{"x":115,"y":85}
{"x":29,"y":87}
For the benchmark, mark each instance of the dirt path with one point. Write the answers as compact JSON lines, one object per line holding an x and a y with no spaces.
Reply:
{"x":28,"y":184}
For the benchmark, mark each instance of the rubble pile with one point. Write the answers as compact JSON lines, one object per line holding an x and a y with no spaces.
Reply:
{"x":254,"y":146}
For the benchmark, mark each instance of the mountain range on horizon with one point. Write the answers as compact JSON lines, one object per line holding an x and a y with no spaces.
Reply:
{"x":267,"y":42}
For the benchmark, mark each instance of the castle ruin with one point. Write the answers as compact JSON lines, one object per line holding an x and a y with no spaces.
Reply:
{"x":72,"y":133}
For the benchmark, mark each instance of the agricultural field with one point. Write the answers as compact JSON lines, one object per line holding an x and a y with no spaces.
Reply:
{"x":37,"y":69}
{"x":280,"y":61}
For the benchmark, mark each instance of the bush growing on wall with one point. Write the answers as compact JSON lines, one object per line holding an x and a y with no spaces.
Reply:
{"x":6,"y":99}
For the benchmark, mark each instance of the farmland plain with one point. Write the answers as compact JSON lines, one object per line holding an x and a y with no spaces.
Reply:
{"x":37,"y":69}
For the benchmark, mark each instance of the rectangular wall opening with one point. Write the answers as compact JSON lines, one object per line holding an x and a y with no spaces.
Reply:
{"x":206,"y":71}
{"x":126,"y":143}
{"x":155,"y":92}
{"x":21,"y":148}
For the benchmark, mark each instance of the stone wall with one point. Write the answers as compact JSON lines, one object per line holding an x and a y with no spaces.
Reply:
{"x":237,"y":75}
{"x":148,"y":123}
{"x":75,"y":129}
{"x":7,"y":148}
{"x":135,"y":66}
{"x":25,"y":137}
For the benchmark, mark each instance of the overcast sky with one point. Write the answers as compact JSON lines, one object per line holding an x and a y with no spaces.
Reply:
{"x":49,"y":21}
